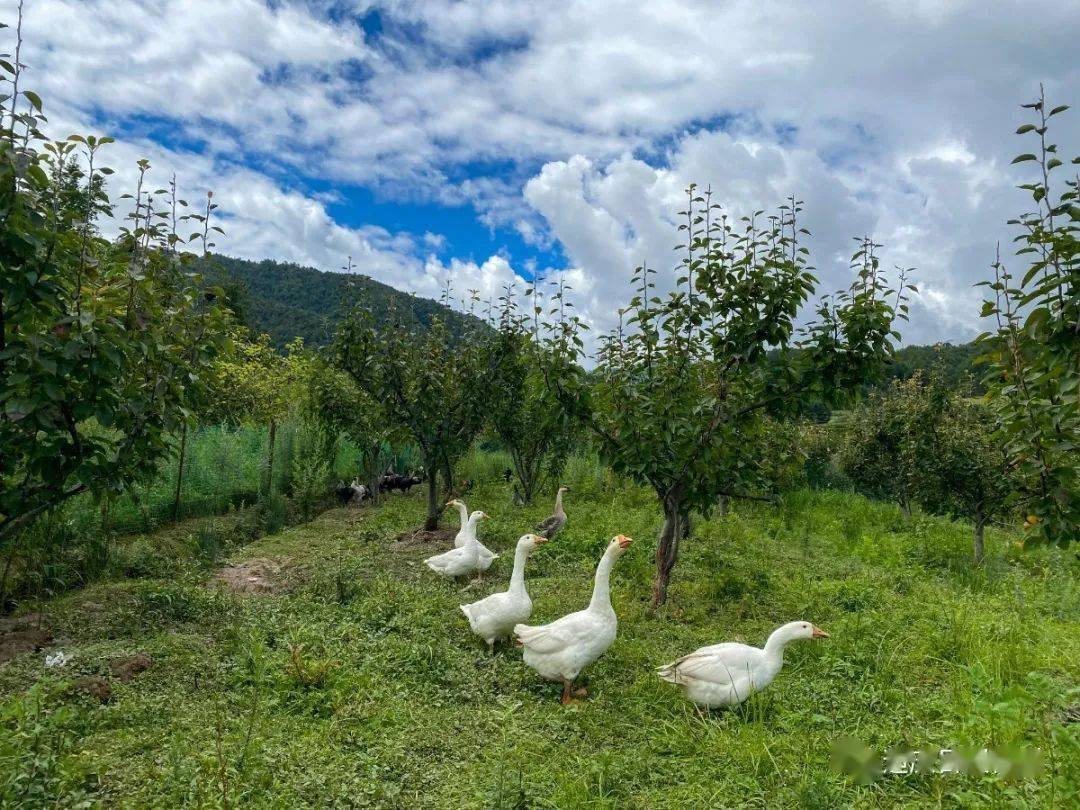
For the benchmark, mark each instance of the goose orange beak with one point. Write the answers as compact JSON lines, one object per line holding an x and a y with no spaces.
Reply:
{"x":817,"y":632}
{"x":485,"y":516}
{"x":624,"y":541}
{"x":538,"y":539}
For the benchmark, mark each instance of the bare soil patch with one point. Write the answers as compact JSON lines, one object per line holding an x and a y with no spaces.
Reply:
{"x":255,"y":576}
{"x":23,"y":634}
{"x":95,"y":686}
{"x":124,"y":669}
{"x":417,"y":538}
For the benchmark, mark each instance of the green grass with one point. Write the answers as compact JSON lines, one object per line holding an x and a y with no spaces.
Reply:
{"x":223,"y":471}
{"x":361,"y":685}
{"x":224,"y":467}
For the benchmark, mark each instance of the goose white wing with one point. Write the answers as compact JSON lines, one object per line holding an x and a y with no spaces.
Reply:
{"x":441,"y":561}
{"x":560,"y":634}
{"x":454,"y":563}
{"x":718,"y":663}
{"x":487,"y":606}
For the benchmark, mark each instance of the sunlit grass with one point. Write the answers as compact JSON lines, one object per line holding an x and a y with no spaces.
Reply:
{"x":395,"y":704}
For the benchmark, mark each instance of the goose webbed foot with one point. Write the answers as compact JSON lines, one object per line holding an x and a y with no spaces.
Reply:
{"x":572,"y":695}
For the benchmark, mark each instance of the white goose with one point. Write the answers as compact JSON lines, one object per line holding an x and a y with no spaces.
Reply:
{"x":458,"y":562}
{"x":560,"y":650}
{"x":487,"y":556}
{"x":727,"y":674}
{"x":463,"y":511}
{"x":494,"y":617}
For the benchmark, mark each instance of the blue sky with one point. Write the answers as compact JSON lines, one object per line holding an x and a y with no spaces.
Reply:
{"x":479,"y":141}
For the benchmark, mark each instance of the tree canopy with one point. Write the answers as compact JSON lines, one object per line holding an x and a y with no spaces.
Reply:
{"x":1033,"y":354}
{"x":432,"y":388}
{"x":104,"y":345}
{"x":683,"y":385}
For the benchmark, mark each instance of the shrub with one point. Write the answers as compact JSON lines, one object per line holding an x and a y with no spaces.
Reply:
{"x":310,"y":468}
{"x":273,"y":511}
{"x":822,"y":443}
{"x":1033,"y":353}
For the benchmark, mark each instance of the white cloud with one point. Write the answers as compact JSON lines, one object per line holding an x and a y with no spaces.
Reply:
{"x":615,"y":217}
{"x":891,"y":117}
{"x":940,"y":218}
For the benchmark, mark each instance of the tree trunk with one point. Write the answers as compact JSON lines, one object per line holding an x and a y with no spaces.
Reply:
{"x":141,"y":505}
{"x":905,"y":508}
{"x":722,"y":503}
{"x":373,"y":484}
{"x":534,"y":486}
{"x":106,"y":514}
{"x":374,"y":470}
{"x":527,"y":479}
{"x":980,"y":523}
{"x":179,"y":476}
{"x":270,"y":458}
{"x":448,"y":482}
{"x":9,"y":557}
{"x":675,"y":529}
{"x":431,"y":523}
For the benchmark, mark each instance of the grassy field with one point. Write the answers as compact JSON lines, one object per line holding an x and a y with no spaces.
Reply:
{"x":224,"y":467}
{"x":359,"y":683}
{"x":224,"y":471}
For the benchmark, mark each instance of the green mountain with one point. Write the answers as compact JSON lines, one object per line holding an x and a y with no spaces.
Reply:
{"x":286,"y":301}
{"x":955,"y":363}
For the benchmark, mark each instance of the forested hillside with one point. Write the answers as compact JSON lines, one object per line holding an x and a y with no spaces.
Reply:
{"x":287,"y":301}
{"x":956,"y":363}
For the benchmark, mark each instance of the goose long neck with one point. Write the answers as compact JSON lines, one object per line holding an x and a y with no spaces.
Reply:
{"x":464,"y":512}
{"x":558,"y":502}
{"x":774,"y":647}
{"x":517,"y":578}
{"x":601,"y":594}
{"x":470,"y":531}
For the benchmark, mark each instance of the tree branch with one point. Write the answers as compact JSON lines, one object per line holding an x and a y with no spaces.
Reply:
{"x":742,"y":496}
{"x":9,"y":526}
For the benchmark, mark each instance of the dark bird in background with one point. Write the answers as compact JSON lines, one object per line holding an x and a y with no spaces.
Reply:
{"x":402,"y":483}
{"x":351,"y":494}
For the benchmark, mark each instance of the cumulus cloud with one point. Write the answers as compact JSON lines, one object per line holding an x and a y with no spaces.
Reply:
{"x":576,"y":124}
{"x":941,"y":218}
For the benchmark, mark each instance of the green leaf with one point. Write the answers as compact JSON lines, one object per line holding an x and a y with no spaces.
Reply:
{"x":1024,"y":158}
